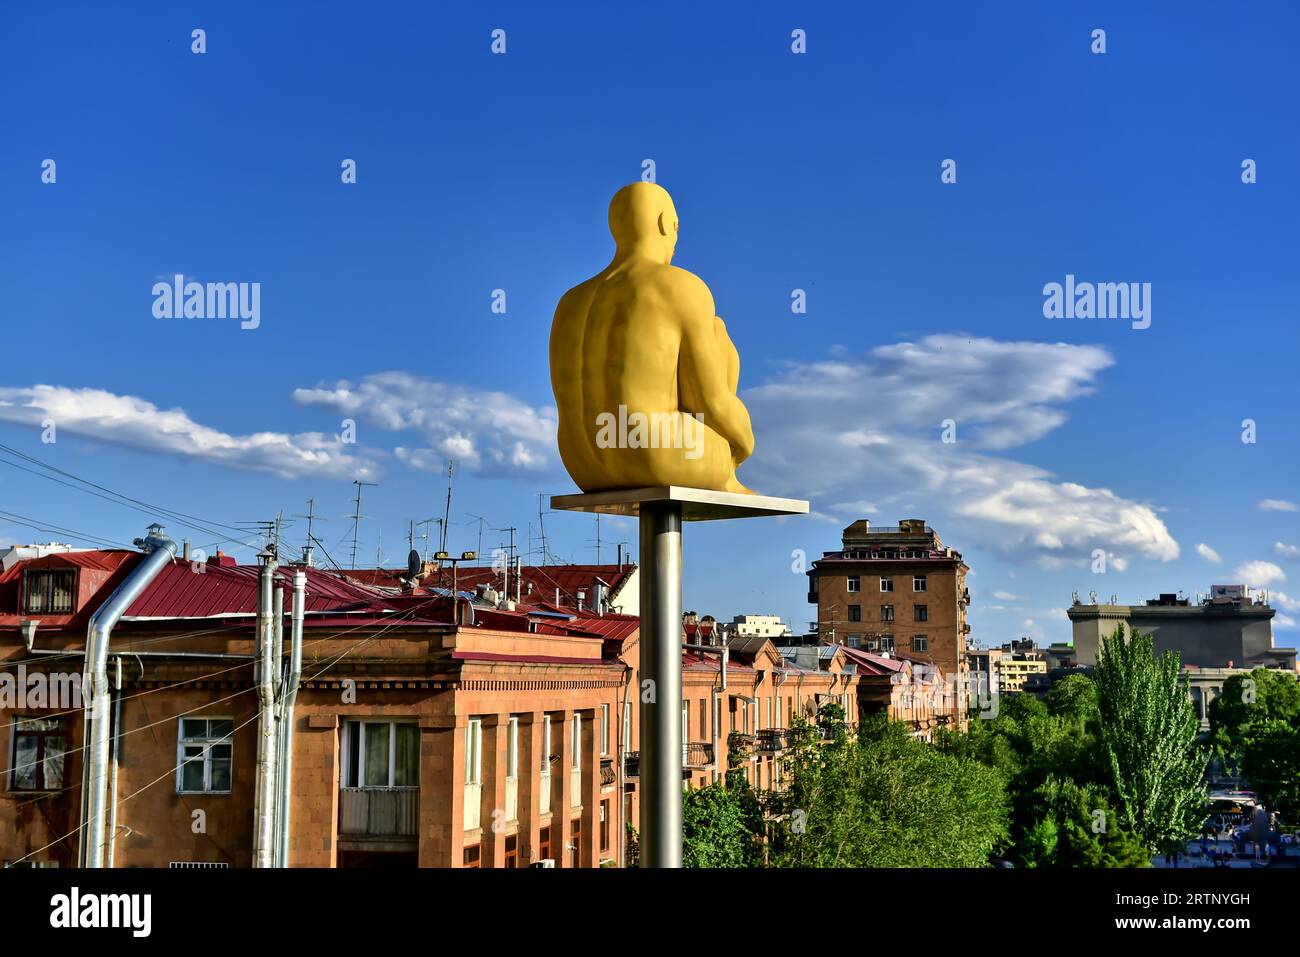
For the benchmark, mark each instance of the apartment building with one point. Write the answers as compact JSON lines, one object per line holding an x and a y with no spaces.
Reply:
{"x":491,"y":743}
{"x":1231,"y":626}
{"x":904,"y":689}
{"x":894,"y":589}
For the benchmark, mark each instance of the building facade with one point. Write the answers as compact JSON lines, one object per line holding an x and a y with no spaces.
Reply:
{"x":895,"y":589}
{"x":1232,"y":627}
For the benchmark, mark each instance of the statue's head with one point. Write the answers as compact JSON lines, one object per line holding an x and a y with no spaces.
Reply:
{"x":642,"y":216}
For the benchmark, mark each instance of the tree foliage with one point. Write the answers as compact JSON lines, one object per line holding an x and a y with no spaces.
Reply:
{"x":1148,"y":732}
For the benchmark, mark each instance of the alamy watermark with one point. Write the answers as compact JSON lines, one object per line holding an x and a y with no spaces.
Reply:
{"x":654,"y":430}
{"x":179,"y":299}
{"x":1102,"y":300}
{"x":22,"y":691}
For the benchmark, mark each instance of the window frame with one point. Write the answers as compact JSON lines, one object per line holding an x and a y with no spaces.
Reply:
{"x":886,"y":584}
{"x":855,"y":613}
{"x":53,"y":575}
{"x":921,"y":644}
{"x":604,"y":730}
{"x":63,"y":730}
{"x":512,"y":748}
{"x":854,"y":584}
{"x":886,"y":612}
{"x":207,"y":742}
{"x":474,"y":751}
{"x":920,"y":613}
{"x":347,"y":746}
{"x":919,"y":583}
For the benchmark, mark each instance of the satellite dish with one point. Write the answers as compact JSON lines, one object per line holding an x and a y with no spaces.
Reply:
{"x":413,"y":564}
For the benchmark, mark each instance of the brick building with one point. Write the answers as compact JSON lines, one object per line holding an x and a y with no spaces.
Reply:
{"x":413,"y":736}
{"x":503,"y":740}
{"x":895,"y":589}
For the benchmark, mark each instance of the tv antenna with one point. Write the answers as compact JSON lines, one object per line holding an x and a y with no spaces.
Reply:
{"x":356,"y":517}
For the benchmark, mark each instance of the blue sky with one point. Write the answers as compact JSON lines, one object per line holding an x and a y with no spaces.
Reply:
{"x":818,"y":171}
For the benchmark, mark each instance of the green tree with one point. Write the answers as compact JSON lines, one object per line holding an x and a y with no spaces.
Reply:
{"x":886,"y":800}
{"x":718,"y":827}
{"x":1148,"y":732}
{"x":1247,"y":704}
{"x":1271,"y":761}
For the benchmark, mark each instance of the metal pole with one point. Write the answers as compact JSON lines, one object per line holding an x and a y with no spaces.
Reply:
{"x":267,"y":665}
{"x":661,"y":698}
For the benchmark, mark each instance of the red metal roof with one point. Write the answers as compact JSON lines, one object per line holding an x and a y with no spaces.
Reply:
{"x":545,"y":579}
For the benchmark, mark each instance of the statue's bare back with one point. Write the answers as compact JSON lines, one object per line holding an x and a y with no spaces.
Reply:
{"x":644,"y":373}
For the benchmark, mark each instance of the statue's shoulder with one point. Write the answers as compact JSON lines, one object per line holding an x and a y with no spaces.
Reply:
{"x":686,"y":284}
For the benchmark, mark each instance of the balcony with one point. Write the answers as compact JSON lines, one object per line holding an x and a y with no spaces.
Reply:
{"x":607,"y":774}
{"x":368,"y":815}
{"x":769,"y":740}
{"x":696,"y":756}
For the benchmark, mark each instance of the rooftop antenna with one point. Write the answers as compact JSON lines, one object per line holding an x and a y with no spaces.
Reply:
{"x":311,"y":520}
{"x":356,"y":518}
{"x":446,"y":514}
{"x":426,"y":522}
{"x":541,"y":522}
{"x":481,"y":520}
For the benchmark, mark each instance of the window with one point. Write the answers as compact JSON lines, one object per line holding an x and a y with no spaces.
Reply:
{"x":627,"y":726}
{"x":604,"y":825}
{"x":40,"y":747}
{"x":512,"y":851}
{"x":546,"y":744}
{"x":920,"y":643}
{"x":855,"y":583}
{"x":604,"y":730}
{"x":886,"y":642}
{"x":205,"y":754}
{"x":474,"y":751}
{"x":381,"y":754}
{"x":472,"y":856}
{"x":886,"y":584}
{"x":921,"y":612}
{"x":575,"y":743}
{"x":544,"y":844}
{"x":886,"y":612}
{"x":48,"y":591}
{"x":918,"y":583}
{"x":855,"y":612}
{"x":577,"y":841}
{"x":778,"y":715}
{"x":512,"y":748}
{"x":704,"y":719}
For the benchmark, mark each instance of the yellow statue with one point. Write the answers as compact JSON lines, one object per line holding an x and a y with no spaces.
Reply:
{"x":643,"y":371}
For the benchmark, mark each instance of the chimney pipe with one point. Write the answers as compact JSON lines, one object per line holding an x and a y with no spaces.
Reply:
{"x":159,"y":551}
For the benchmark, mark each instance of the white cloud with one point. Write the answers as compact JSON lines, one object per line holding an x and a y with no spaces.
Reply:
{"x":486,"y":431}
{"x":828,"y":430}
{"x":1208,"y":553}
{"x":132,"y":422}
{"x":1278,"y":505}
{"x":1006,"y":596}
{"x":1286,"y":551}
{"x":1259,"y":574}
{"x":1283,"y":600}
{"x":1283,"y":621}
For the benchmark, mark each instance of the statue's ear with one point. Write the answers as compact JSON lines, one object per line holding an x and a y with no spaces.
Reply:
{"x":663,"y":224}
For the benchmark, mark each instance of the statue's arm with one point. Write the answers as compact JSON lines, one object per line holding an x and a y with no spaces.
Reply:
{"x":704,"y":371}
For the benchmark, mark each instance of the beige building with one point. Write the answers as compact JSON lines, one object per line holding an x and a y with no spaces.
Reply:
{"x":893,"y":589}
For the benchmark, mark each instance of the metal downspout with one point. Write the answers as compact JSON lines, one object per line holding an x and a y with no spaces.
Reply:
{"x":287,"y":705}
{"x":159,"y":551}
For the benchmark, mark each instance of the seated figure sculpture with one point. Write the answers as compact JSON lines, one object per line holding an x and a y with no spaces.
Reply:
{"x":643,"y":371}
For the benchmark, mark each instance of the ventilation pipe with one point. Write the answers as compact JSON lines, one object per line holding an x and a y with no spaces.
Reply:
{"x":287,"y":704}
{"x":159,"y":551}
{"x":267,"y":668}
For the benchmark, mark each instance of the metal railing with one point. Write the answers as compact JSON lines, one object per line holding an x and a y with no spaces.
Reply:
{"x":379,"y":812}
{"x":772,"y":739}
